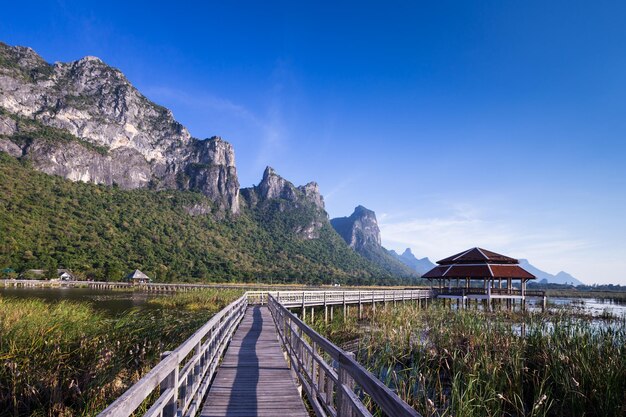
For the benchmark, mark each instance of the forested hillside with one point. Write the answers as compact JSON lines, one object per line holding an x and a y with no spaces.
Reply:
{"x":103,"y":232}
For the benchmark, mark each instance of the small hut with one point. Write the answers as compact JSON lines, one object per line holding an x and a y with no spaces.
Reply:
{"x":479,"y":274}
{"x":137,"y":277}
{"x":65,"y":275}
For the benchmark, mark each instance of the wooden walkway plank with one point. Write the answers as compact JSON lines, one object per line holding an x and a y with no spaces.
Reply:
{"x":253,"y":378}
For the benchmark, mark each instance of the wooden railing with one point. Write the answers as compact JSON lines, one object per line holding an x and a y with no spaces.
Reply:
{"x":321,"y":298}
{"x":184,"y":375}
{"x":330,"y":387}
{"x":493,"y":291}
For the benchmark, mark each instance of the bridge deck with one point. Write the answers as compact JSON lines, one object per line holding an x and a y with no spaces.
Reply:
{"x":254,"y":379}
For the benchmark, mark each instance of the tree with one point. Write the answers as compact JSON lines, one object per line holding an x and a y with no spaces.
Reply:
{"x":51,"y":269}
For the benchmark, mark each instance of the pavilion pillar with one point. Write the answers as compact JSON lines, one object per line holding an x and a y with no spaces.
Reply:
{"x":508,"y":292}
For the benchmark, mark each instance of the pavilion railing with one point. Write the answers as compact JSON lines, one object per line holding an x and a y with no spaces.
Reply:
{"x":328,"y":374}
{"x":492,"y":291}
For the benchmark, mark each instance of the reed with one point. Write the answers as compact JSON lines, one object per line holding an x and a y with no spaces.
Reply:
{"x":475,"y":363}
{"x":66,"y":359}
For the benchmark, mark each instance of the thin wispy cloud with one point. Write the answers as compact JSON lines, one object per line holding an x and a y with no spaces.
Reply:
{"x":201,"y":101}
{"x":338,"y":188}
{"x":268,"y":128}
{"x":468,"y":226}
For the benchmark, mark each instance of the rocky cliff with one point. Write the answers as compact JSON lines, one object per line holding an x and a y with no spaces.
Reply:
{"x":361,"y":232}
{"x":84,"y":121}
{"x":303,"y":205}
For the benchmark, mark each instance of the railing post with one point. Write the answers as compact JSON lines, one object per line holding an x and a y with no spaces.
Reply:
{"x":345,"y":381}
{"x":303,"y":308}
{"x":171,"y":381}
{"x":360,"y":307}
{"x":325,"y":309}
{"x":344,"y":306}
{"x":373,"y":304}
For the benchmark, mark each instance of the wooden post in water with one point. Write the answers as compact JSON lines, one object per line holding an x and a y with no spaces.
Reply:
{"x":344,"y":306}
{"x":360,"y":307}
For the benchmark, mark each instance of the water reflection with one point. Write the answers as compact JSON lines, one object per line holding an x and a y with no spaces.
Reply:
{"x":593,"y":306}
{"x":107,"y":301}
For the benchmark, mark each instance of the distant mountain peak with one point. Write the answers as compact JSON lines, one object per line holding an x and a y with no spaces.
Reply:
{"x":560,"y":278}
{"x":421,"y":266}
{"x":360,"y":229}
{"x":361,"y":232}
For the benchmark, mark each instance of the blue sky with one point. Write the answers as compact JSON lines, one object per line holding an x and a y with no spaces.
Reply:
{"x":496,"y":124}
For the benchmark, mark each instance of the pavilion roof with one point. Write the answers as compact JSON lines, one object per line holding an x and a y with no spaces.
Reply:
{"x":477,"y":263}
{"x":477,"y":255}
{"x":137,"y":274}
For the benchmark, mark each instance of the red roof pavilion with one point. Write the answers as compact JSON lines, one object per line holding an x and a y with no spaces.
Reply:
{"x":477,"y":263}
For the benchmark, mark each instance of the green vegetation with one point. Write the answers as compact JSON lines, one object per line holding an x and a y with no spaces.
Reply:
{"x":474,"y":363}
{"x":66,"y":359}
{"x":603,"y":291}
{"x":104,"y":232}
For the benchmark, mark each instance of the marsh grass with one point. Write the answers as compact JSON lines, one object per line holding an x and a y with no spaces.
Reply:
{"x":474,"y":363}
{"x":66,"y":359}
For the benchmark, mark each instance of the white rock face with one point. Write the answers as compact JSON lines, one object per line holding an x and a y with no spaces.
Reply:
{"x":306,"y":199}
{"x":360,"y":230}
{"x":97,"y":104}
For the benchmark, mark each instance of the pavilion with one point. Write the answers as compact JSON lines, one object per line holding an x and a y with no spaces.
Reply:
{"x":479,"y":274}
{"x":137,"y":277}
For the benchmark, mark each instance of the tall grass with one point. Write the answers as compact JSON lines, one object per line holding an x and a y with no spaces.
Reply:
{"x":474,"y":363}
{"x":66,"y":359}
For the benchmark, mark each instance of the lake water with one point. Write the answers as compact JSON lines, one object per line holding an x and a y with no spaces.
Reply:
{"x":115,"y":302}
{"x":110,"y":302}
{"x":595,"y":306}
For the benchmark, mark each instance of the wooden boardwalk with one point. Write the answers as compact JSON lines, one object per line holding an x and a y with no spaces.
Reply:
{"x":253,"y":378}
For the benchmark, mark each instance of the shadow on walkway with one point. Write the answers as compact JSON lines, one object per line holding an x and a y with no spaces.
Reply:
{"x":243,"y":399}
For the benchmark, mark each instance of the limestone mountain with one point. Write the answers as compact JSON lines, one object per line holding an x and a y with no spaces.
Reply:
{"x":85,"y":121}
{"x":361,"y":232}
{"x":99,"y":232}
{"x":129,"y":187}
{"x":421,"y":266}
{"x":276,"y":197}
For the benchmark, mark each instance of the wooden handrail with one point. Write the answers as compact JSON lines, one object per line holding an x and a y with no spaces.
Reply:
{"x":330,"y":388}
{"x":183,"y":376}
{"x":182,"y":381}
